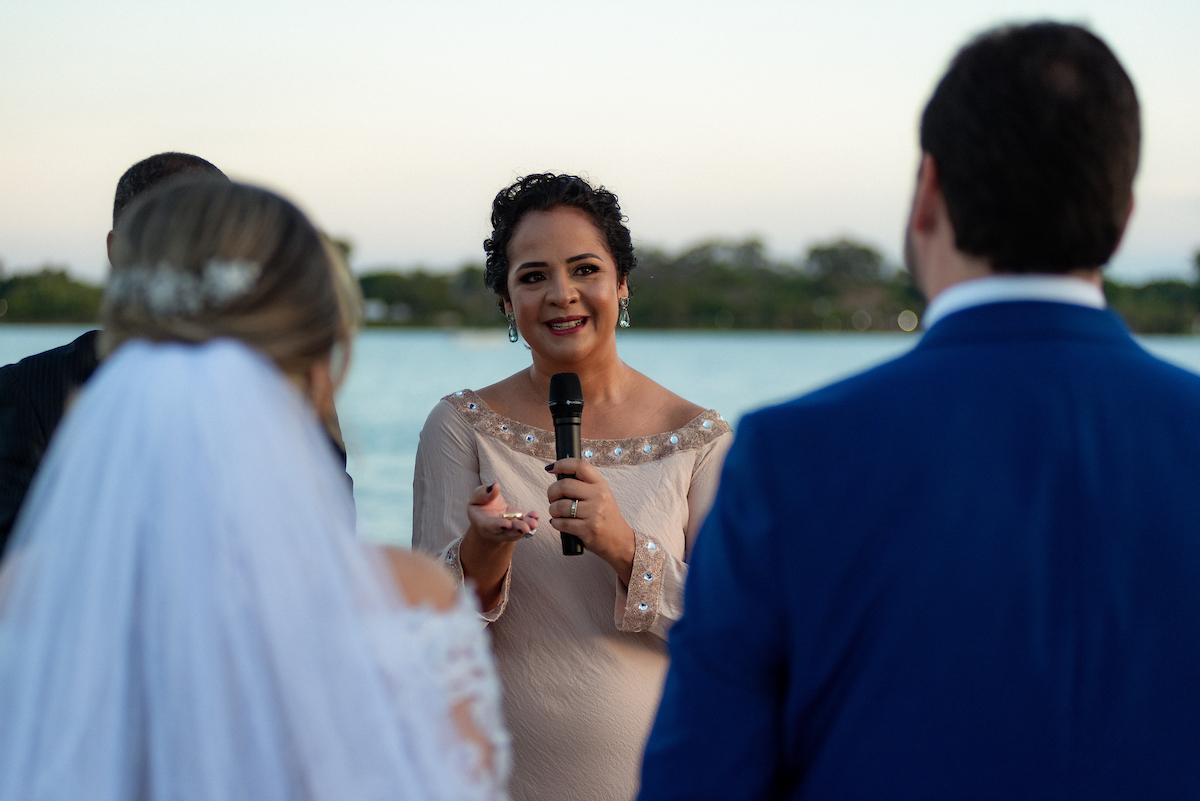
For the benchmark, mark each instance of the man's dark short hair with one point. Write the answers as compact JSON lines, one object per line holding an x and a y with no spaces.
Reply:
{"x":1035,"y":133}
{"x":149,"y":173}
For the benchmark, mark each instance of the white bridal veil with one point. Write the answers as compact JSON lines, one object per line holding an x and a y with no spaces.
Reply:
{"x":185,"y":614}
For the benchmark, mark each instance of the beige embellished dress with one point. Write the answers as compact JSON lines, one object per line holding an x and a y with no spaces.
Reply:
{"x":581,"y":659}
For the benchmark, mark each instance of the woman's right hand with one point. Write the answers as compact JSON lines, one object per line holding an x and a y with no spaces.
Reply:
{"x":493,"y":520}
{"x":486,"y":549}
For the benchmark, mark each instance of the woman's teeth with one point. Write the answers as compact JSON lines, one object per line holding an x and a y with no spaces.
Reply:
{"x":567,"y":326}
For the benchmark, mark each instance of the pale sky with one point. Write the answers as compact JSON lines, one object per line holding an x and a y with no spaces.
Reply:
{"x":395,"y":123}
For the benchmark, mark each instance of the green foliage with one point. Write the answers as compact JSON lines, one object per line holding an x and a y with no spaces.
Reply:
{"x":735,"y":285}
{"x":1159,"y":307}
{"x":715,"y":285}
{"x":839,"y":286}
{"x":424,"y":299}
{"x":844,"y":262}
{"x":48,"y":296}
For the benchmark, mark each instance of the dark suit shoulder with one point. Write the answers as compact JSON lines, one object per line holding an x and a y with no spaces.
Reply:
{"x":33,"y":395}
{"x":70,"y":364}
{"x":47,"y":378}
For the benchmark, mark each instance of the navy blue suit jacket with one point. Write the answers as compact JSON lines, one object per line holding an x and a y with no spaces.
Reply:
{"x":970,"y":573}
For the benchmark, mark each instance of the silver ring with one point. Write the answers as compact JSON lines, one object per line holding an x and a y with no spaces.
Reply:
{"x":574,"y":508}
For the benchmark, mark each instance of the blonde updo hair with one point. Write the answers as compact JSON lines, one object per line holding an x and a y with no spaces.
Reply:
{"x":200,"y":259}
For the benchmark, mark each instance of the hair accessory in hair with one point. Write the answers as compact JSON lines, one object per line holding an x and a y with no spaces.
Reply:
{"x":168,"y":291}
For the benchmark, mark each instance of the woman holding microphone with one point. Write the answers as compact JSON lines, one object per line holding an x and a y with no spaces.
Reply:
{"x":579,"y":640}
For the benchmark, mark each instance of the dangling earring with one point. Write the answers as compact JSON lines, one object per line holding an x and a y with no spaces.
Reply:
{"x":512,"y":326}
{"x":623,"y":314}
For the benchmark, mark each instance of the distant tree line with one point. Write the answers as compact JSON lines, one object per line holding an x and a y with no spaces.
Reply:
{"x":717,"y":285}
{"x":838,"y":286}
{"x":48,"y":296}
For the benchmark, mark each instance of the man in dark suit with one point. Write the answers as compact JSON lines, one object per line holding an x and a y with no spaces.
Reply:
{"x":973,"y":572}
{"x":34,"y":391}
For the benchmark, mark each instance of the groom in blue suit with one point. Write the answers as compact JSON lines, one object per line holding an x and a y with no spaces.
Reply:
{"x":973,"y":572}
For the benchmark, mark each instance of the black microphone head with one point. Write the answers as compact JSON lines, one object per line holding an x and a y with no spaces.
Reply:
{"x":566,"y":395}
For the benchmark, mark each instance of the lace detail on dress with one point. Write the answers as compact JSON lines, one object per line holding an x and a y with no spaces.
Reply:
{"x":700,"y":431}
{"x":466,"y":672}
{"x":645,"y":584}
{"x":452,"y":647}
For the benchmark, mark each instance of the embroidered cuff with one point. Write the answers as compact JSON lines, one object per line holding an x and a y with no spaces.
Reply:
{"x":451,"y":560}
{"x":645,"y":584}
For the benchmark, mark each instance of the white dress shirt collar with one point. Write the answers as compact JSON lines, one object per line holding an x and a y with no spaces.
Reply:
{"x":1008,"y":287}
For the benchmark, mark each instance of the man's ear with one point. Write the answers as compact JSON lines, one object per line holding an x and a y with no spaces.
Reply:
{"x":928,"y":202}
{"x":108,"y":245}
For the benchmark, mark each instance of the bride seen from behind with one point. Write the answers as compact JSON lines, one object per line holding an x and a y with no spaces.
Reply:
{"x":185,"y":612}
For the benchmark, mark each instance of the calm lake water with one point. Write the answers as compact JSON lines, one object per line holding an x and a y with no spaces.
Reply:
{"x":398,"y":375}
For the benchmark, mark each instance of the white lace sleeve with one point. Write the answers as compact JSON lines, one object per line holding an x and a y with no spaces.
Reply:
{"x":462,"y":660}
{"x":451,"y":649}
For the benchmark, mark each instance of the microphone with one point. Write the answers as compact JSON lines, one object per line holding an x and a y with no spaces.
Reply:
{"x":566,"y":407}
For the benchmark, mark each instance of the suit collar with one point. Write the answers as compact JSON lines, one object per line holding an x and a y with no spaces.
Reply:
{"x":1028,"y":320}
{"x":1003,"y":287}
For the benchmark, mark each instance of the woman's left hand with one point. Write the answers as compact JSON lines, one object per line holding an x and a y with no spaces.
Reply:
{"x":597,"y":520}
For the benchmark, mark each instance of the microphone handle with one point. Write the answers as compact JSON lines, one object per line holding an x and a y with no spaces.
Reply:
{"x":566,"y":446}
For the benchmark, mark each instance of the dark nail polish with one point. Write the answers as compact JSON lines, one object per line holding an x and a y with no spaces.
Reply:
{"x":550,"y":467}
{"x":489,"y":489}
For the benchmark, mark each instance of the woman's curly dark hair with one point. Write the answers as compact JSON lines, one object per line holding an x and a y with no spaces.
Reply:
{"x":543,"y":192}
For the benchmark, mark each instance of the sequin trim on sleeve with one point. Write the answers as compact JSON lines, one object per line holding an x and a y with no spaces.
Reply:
{"x":451,"y":560}
{"x":645,"y":584}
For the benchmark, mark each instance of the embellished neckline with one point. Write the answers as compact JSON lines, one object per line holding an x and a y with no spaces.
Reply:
{"x":702,"y":429}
